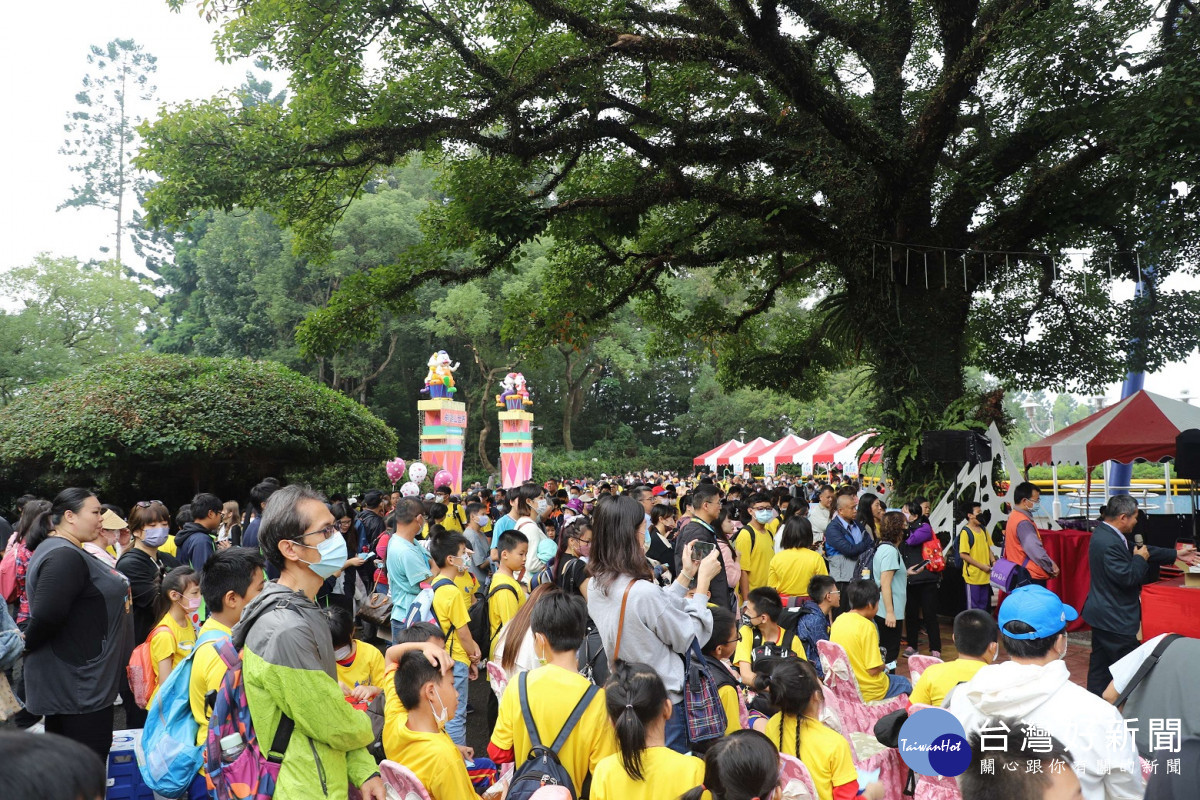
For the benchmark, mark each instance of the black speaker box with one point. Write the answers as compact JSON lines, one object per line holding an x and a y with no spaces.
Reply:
{"x":957,"y":446}
{"x":1187,"y":454}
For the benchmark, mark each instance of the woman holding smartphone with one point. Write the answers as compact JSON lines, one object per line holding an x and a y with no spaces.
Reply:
{"x":638,"y":620}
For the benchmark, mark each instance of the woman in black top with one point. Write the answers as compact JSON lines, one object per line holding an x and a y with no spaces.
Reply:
{"x":143,"y":566}
{"x":662,"y":534}
{"x":80,"y":630}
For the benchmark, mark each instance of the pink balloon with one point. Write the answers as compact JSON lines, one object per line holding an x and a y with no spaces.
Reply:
{"x":443,"y":478}
{"x":395,"y":469}
{"x":417,"y":472}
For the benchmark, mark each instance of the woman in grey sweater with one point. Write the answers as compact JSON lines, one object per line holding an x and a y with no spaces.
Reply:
{"x":659,"y":623}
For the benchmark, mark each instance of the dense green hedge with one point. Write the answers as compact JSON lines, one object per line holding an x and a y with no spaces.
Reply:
{"x":176,"y":410}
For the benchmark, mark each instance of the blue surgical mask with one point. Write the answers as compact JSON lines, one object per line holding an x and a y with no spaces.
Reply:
{"x":333,"y":556}
{"x":482,"y":520}
{"x":155,"y":537}
{"x":764,"y":516}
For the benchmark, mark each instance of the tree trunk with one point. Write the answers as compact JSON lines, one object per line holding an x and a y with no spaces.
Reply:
{"x":568,"y":445}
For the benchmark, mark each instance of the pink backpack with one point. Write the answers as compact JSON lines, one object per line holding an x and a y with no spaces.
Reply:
{"x":8,"y":571}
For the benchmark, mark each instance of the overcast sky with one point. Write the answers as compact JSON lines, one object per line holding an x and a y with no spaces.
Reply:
{"x":43,"y":51}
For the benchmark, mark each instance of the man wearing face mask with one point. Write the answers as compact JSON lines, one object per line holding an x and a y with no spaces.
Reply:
{"x":479,"y":562}
{"x":287,"y":656}
{"x":1022,"y":542}
{"x":1035,"y":687}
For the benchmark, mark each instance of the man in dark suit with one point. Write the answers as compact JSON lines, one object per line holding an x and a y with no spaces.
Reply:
{"x":1114,"y":604}
{"x":845,"y":541}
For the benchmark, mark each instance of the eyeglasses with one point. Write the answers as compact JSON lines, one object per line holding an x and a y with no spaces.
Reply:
{"x":326,"y":532}
{"x":148,"y":503}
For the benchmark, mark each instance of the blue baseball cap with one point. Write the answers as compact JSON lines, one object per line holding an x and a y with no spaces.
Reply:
{"x":1037,"y":607}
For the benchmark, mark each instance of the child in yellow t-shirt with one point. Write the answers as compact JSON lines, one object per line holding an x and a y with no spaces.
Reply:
{"x":449,"y":554}
{"x":794,"y":688}
{"x":553,"y":691}
{"x":503,"y":605}
{"x":742,"y":764}
{"x":175,"y":634}
{"x":720,"y":646}
{"x":645,"y":768}
{"x":359,"y":665}
{"x":855,"y":631}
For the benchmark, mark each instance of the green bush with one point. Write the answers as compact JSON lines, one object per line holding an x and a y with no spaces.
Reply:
{"x":199,"y":420}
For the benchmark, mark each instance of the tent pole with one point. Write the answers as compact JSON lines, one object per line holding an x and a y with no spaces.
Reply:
{"x":1056,"y":506}
{"x":1169,"y":503}
{"x":1087,"y":491}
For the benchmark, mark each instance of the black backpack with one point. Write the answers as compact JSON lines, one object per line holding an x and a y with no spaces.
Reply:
{"x":864,"y":567}
{"x":542,"y":767}
{"x":761,"y":651}
{"x":480,"y":625}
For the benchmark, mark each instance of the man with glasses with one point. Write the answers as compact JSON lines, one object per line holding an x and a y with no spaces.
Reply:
{"x":407,"y":561}
{"x":287,"y":657}
{"x":1022,"y":542}
{"x":706,"y":502}
{"x":1114,"y":604}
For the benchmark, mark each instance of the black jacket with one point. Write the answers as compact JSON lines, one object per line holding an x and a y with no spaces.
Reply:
{"x":718,"y":588}
{"x":1114,"y":602}
{"x":145,"y":578}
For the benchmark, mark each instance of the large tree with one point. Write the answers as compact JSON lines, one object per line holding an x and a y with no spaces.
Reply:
{"x":102,"y":133}
{"x":775,"y":147}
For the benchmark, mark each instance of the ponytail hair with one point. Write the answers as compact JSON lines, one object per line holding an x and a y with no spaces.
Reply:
{"x":635,"y":695}
{"x":67,"y":500}
{"x":742,"y":766}
{"x":177,"y":580}
{"x":789,"y":687}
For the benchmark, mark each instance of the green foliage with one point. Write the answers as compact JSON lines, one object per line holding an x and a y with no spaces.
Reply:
{"x":102,"y":131}
{"x":714,"y":165}
{"x":70,"y":317}
{"x":899,"y":434}
{"x":174,"y":410}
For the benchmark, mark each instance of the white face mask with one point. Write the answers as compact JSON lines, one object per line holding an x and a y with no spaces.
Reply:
{"x":342,"y":653}
{"x":440,"y":718}
{"x":1066,"y":645}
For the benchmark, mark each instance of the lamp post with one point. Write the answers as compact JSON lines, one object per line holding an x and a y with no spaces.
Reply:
{"x":1031,"y":408}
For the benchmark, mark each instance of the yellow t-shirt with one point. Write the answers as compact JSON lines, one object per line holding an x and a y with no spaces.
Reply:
{"x":435,"y":761}
{"x":792,"y":569}
{"x":981,"y":551}
{"x":169,"y":547}
{"x":745,"y":645}
{"x":823,"y":750}
{"x":502,"y":606}
{"x":451,"y":610}
{"x":859,"y":637}
{"x":553,"y":693}
{"x":175,"y":642}
{"x":466,"y":581}
{"x":733,"y":709}
{"x":937,"y":681}
{"x":365,"y":668}
{"x":395,"y":715}
{"x":667,"y":775}
{"x":755,"y":551}
{"x":452,"y":523}
{"x":772,"y":528}
{"x":208,"y":670}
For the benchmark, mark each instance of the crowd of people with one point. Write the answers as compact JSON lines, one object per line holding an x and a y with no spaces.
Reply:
{"x":644,"y":636}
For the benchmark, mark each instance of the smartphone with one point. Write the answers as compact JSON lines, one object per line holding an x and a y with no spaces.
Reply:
{"x":924,"y":564}
{"x":700,"y":550}
{"x":368,"y":556}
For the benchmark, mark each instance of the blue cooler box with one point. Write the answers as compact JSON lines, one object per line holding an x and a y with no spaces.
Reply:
{"x":124,"y":779}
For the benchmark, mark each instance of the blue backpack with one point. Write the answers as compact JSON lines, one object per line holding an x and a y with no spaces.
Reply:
{"x":172,"y":757}
{"x":421,"y":609}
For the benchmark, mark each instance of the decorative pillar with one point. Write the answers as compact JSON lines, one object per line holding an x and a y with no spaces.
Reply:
{"x":516,"y":431}
{"x":443,"y":433}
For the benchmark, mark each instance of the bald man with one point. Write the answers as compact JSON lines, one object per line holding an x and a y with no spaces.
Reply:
{"x":845,"y":541}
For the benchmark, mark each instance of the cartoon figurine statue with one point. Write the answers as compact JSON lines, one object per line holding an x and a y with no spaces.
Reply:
{"x":439,"y":382}
{"x":514,"y":395}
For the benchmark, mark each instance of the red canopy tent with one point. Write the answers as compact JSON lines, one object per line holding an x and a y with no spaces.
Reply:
{"x":781,"y":452}
{"x":750,"y":450}
{"x":709,"y":459}
{"x":1143,"y":426}
{"x":827,"y":444}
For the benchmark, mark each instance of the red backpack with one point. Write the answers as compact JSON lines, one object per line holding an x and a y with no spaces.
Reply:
{"x":8,"y":571}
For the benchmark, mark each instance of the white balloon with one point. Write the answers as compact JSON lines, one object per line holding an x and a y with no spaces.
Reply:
{"x":410,"y":489}
{"x":417,"y":472}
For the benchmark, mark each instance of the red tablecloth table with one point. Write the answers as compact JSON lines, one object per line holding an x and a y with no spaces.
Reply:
{"x":1169,"y":607}
{"x":1069,"y":549}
